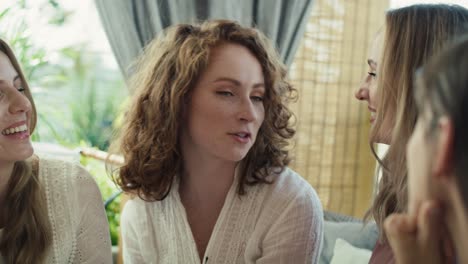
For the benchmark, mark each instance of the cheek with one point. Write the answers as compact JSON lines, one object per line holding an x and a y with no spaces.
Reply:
{"x":373,"y":94}
{"x":418,"y":171}
{"x":260,"y":116}
{"x":207,"y":114}
{"x":29,"y":119}
{"x":413,"y":168}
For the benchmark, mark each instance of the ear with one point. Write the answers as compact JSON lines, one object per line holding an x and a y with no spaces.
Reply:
{"x":443,"y":153}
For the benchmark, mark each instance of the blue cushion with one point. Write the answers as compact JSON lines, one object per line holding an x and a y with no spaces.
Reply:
{"x":355,"y":233}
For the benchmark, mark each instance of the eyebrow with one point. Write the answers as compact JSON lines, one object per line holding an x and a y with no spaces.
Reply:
{"x":237,"y":83}
{"x":14,"y":79}
{"x":372,"y":63}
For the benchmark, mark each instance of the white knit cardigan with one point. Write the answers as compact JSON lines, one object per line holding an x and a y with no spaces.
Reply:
{"x":80,"y":230}
{"x":273,"y":223}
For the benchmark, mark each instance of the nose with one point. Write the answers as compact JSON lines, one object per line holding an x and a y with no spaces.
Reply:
{"x":362,"y":93}
{"x":248,"y":112}
{"x":19,"y":103}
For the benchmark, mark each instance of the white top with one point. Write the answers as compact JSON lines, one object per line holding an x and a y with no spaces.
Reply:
{"x":272,"y":223}
{"x":80,"y":230}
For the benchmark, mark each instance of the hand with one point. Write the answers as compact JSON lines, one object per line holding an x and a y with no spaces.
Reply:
{"x":419,"y":238}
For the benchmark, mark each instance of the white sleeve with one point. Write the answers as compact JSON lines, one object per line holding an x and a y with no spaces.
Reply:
{"x":128,"y":220}
{"x":93,"y":245}
{"x":296,"y":236}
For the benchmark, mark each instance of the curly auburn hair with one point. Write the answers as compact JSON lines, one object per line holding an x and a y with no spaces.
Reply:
{"x":163,"y":78}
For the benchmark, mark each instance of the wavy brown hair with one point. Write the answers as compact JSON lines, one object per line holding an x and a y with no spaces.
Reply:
{"x":27,"y":232}
{"x":163,"y":78}
{"x":412,"y":35}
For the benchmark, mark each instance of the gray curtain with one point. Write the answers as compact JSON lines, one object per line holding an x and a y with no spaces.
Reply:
{"x":131,"y":24}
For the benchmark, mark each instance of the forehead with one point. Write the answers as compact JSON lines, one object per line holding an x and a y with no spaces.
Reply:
{"x":234,"y":59}
{"x":375,"y":51}
{"x":7,"y":71}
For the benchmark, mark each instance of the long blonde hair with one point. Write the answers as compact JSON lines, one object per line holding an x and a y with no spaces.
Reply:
{"x":412,"y":35}
{"x":164,"y":77}
{"x":27,"y":232}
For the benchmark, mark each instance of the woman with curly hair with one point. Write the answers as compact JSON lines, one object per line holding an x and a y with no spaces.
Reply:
{"x":51,"y":211}
{"x":205,"y":146}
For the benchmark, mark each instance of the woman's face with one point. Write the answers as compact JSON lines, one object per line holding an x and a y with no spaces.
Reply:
{"x":15,"y":115}
{"x":419,"y":153}
{"x":226,"y":107}
{"x":368,"y":89}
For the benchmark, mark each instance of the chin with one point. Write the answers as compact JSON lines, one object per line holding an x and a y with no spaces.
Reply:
{"x":236,"y":157}
{"x":24,"y":154}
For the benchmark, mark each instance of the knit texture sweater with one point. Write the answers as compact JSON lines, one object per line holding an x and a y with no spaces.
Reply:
{"x":280,"y":222}
{"x":80,"y":232}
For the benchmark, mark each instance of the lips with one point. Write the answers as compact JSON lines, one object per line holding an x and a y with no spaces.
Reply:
{"x":373,"y":113}
{"x":16,"y":128}
{"x":242,"y":137}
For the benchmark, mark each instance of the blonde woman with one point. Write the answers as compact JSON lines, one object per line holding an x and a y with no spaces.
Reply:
{"x":410,"y":36}
{"x":50,"y":211}
{"x":205,"y":147}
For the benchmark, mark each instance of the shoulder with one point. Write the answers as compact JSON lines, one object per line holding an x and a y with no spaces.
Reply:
{"x":133,"y":207}
{"x":290,"y":197}
{"x":55,"y":170}
{"x":289,"y":186}
{"x":71,"y":194}
{"x":136,"y":217}
{"x":137,"y":210}
{"x":136,"y":205}
{"x":140,"y":213}
{"x":68,"y":181}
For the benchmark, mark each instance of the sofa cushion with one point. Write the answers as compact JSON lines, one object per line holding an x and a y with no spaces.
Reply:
{"x":355,"y":233}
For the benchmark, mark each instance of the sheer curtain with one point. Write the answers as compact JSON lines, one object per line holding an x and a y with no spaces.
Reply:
{"x":130,"y":24}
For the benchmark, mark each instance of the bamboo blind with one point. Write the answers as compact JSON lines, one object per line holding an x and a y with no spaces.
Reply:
{"x":331,"y":147}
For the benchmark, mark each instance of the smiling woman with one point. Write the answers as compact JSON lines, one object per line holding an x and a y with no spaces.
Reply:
{"x":205,"y":146}
{"x":15,"y":144}
{"x":41,"y":220}
{"x":410,"y":36}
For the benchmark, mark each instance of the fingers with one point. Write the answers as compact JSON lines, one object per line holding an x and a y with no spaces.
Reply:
{"x":401,"y":234}
{"x":429,"y":231}
{"x":417,"y":239}
{"x":429,"y":221}
{"x":400,"y":225}
{"x":448,"y":251}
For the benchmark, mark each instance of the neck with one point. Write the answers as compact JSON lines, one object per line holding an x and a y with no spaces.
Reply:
{"x":204,"y":180}
{"x":457,"y":224}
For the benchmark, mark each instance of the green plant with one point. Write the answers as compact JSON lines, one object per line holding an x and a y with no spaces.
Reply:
{"x":89,"y":95}
{"x":97,"y":169}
